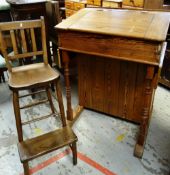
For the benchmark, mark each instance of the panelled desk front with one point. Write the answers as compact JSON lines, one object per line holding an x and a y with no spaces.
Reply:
{"x":118,"y":62}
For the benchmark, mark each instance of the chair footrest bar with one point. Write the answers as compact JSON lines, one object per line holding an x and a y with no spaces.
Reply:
{"x":38,"y":146}
{"x":40,"y":118}
{"x":33,"y":93}
{"x":33,"y":104}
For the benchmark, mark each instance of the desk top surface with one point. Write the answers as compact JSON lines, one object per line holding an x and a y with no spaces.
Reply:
{"x":145,"y":25}
{"x":23,"y":2}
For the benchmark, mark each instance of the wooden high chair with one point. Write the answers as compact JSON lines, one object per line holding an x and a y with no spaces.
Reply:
{"x":24,"y":44}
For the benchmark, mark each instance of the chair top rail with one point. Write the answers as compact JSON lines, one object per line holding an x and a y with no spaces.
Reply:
{"x":20,"y":25}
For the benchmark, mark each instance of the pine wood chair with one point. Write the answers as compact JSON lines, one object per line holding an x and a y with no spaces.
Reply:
{"x":32,"y":76}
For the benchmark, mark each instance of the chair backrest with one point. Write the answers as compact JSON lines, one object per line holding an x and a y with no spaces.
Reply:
{"x":25,"y":37}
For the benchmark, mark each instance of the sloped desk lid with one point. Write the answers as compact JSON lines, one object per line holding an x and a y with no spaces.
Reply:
{"x":147,"y":25}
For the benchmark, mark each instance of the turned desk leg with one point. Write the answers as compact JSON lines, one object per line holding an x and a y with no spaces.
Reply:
{"x":65,"y":58}
{"x":148,"y":90}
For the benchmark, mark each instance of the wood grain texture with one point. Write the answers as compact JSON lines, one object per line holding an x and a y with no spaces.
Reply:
{"x":133,"y":50}
{"x":66,"y":61}
{"x":23,"y":38}
{"x":120,"y":23}
{"x":34,"y":76}
{"x":32,"y":148}
{"x":14,"y":42}
{"x":112,"y":3}
{"x":26,"y":10}
{"x":134,"y":3}
{"x":111,"y":86}
{"x":31,"y":76}
{"x":34,"y":46}
{"x":17,"y":115}
{"x":21,"y":33}
{"x":146,"y":109}
{"x":22,"y":24}
{"x":152,"y":4}
{"x":118,"y":61}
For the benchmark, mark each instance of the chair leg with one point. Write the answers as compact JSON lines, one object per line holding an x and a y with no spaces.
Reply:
{"x":74,"y":151}
{"x":17,"y":115}
{"x":26,"y":168}
{"x":50,"y":100}
{"x":60,"y":102}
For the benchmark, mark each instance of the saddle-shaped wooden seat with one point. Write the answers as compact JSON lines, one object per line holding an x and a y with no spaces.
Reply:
{"x":23,"y":77}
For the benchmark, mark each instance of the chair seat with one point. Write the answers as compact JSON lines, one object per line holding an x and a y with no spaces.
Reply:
{"x":38,"y":146}
{"x":31,"y":75}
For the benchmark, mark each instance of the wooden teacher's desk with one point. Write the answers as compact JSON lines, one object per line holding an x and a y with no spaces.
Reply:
{"x":118,"y":62}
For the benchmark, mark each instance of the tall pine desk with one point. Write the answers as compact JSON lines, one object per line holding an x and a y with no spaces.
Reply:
{"x":119,"y":58}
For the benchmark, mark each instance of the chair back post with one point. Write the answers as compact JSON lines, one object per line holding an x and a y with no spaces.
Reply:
{"x":44,"y":43}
